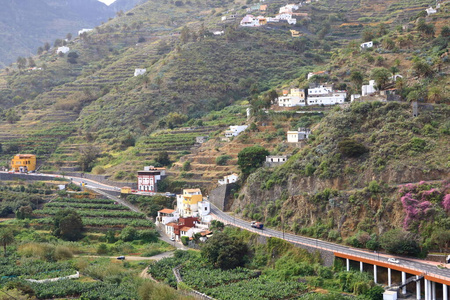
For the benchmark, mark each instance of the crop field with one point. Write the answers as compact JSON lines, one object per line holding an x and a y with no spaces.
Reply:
{"x":94,"y":213}
{"x":236,"y":284}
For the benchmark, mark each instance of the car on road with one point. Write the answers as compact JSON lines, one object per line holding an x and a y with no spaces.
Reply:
{"x":393,"y":260}
{"x":257,"y":225}
{"x":172,"y":238}
{"x":121,"y":257}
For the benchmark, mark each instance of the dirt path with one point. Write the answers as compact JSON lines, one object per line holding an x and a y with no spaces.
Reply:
{"x":134,"y":258}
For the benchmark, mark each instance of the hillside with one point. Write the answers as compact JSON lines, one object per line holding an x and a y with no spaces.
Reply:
{"x":94,"y":99}
{"x":27,"y":25}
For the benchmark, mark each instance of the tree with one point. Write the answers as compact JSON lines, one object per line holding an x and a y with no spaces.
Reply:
{"x":68,"y":225}
{"x":163,"y":158}
{"x":31,"y":62}
{"x":185,"y":35}
{"x":6,"y":238}
{"x":110,"y":236}
{"x":87,"y":156}
{"x":225,"y":252}
{"x":24,"y":212}
{"x":58,"y":43}
{"x":69,"y":36}
{"x":40,"y":50}
{"x":357,"y":79}
{"x":422,"y":68}
{"x":424,"y":28}
{"x":47,"y":46}
{"x":216,"y":225}
{"x":72,"y":57}
{"x":397,"y":241}
{"x":128,"y":234}
{"x":11,"y":116}
{"x":251,"y":158}
{"x":351,"y":148}
{"x":435,"y":94}
{"x":21,"y":62}
{"x":445,"y":31}
{"x":381,"y":76}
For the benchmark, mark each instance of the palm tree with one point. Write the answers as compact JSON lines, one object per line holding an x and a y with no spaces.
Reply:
{"x":6,"y":238}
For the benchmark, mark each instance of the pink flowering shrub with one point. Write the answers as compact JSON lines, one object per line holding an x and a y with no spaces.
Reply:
{"x":446,"y":203}
{"x":420,"y":203}
{"x":415,"y":210}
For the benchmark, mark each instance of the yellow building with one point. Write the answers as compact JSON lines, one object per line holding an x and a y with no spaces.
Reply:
{"x":125,"y":190}
{"x":187,"y":203}
{"x":23,"y":163}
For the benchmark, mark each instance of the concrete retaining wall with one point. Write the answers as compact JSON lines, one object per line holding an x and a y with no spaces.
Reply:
{"x":220,"y":196}
{"x":26,"y":177}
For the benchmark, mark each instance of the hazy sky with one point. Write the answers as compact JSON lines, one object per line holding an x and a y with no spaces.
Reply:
{"x":107,"y":2}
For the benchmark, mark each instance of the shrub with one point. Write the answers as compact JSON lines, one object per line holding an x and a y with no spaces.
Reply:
{"x":98,"y":170}
{"x":102,"y":249}
{"x":417,"y":144}
{"x":351,"y":148}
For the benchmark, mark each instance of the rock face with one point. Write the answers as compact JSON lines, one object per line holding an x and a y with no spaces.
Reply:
{"x":369,"y":212}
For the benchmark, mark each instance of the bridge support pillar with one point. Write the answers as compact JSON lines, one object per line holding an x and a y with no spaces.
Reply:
{"x":389,"y":277}
{"x":375,"y":273}
{"x":445,"y":292}
{"x":348,"y":264}
{"x":403,"y":282}
{"x":418,"y":296}
{"x":361,"y":266}
{"x":427,"y":290}
{"x":433,"y":290}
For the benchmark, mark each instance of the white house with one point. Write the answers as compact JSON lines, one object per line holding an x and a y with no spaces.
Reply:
{"x":334,"y":97}
{"x":204,"y":211}
{"x":294,"y":136}
{"x":63,"y":50}
{"x":235,"y":130}
{"x":295,"y":98}
{"x":249,"y":21}
{"x":167,"y":215}
{"x":288,"y":8}
{"x":320,"y":90}
{"x":218,"y":32}
{"x":229,"y":179}
{"x":276,"y":158}
{"x":368,"y":89}
{"x":138,"y":72}
{"x":272,"y":20}
{"x":395,"y":77}
{"x":431,"y":10}
{"x":80,"y":32}
{"x":325,"y":95}
{"x":367,"y":45}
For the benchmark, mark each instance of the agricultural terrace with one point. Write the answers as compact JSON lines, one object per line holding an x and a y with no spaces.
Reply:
{"x":101,"y":213}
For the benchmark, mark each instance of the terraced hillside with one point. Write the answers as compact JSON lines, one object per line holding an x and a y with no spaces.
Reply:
{"x":189,"y":71}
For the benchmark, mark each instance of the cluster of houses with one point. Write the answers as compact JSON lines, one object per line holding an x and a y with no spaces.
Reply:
{"x":286,"y":14}
{"x":190,"y":217}
{"x":317,"y":95}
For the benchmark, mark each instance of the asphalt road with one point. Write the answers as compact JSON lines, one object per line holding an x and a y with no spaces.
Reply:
{"x":418,"y":265}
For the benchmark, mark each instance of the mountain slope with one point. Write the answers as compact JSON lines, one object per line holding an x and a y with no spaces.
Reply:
{"x":26,"y":25}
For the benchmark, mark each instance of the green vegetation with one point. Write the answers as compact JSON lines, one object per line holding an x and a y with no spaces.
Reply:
{"x":273,"y":269}
{"x":250,"y":158}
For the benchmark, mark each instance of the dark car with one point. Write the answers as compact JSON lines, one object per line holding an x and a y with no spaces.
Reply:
{"x":121,"y":257}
